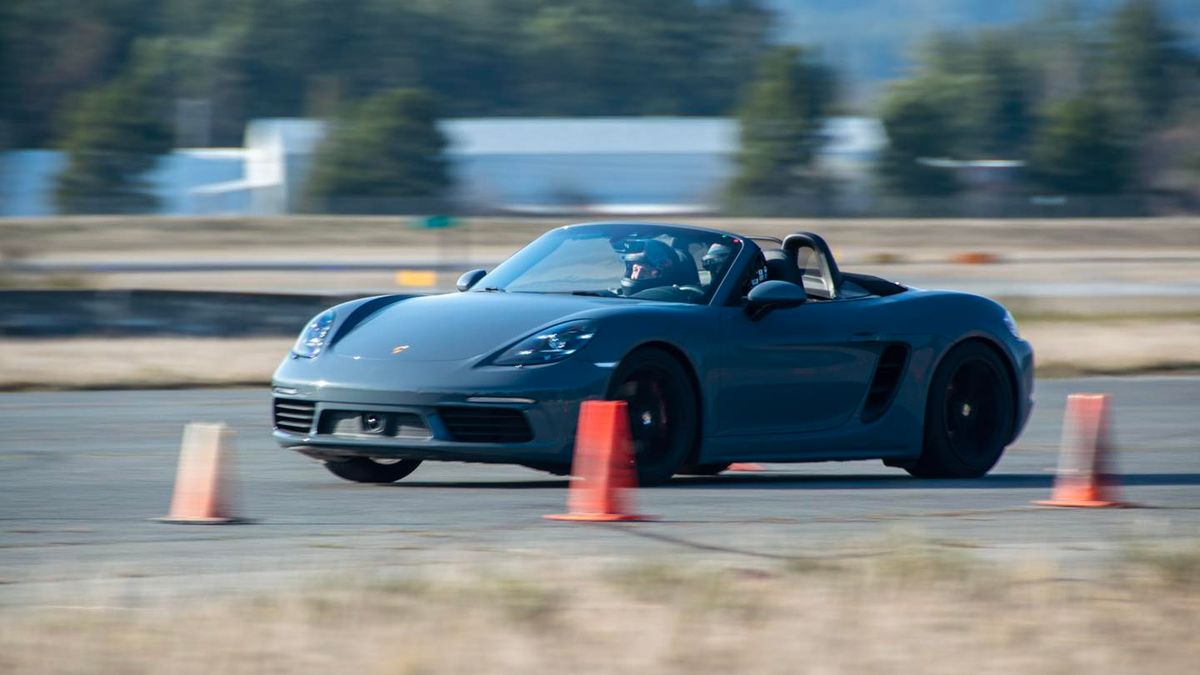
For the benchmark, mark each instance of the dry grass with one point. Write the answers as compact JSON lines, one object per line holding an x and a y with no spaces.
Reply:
{"x":1114,"y":347}
{"x":917,"y":608}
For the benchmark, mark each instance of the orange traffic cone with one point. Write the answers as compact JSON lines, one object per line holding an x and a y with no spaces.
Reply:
{"x":745,"y":466}
{"x":974,"y":258}
{"x":1083,"y":478}
{"x":603,"y":470}
{"x":203,"y":487}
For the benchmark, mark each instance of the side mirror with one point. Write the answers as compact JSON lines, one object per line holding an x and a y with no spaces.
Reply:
{"x":771,"y":295}
{"x":469,"y":279}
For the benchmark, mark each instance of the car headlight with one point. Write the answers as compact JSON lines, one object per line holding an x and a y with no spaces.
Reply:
{"x":1011,"y":323}
{"x":312,"y":339}
{"x":553,"y":344}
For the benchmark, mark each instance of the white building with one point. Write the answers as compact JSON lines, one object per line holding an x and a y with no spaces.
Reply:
{"x":613,"y":164}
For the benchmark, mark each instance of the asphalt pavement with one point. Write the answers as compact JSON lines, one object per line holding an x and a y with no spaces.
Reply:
{"x":83,"y":473}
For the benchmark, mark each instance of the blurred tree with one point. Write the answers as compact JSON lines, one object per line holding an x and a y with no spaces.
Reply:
{"x":386,"y":152}
{"x":1143,"y":66}
{"x":115,"y":134}
{"x":678,"y":57}
{"x":781,"y":118}
{"x":1002,"y":97}
{"x":1061,"y":46}
{"x":271,"y":58}
{"x":918,"y":128}
{"x":57,"y":48}
{"x":985,"y":88}
{"x":9,"y":87}
{"x":1076,"y":150}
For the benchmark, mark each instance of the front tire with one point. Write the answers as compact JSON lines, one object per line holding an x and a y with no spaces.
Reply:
{"x":370,"y":470}
{"x":969,"y":415}
{"x":663,"y":412}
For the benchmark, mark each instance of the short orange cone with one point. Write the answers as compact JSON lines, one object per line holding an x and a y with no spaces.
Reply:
{"x":203,"y":488}
{"x":1083,"y":478}
{"x":603,"y":470}
{"x":974,"y":258}
{"x":745,"y":466}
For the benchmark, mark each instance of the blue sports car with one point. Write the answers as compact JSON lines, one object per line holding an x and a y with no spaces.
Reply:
{"x":727,"y":348}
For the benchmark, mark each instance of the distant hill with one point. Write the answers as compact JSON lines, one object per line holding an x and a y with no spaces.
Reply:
{"x":872,"y":41}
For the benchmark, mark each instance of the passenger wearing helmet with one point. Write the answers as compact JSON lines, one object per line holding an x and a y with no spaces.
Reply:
{"x":715,"y":258}
{"x":650,"y":265}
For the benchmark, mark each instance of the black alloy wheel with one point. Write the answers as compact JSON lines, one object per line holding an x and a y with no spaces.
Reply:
{"x":662,"y":412}
{"x":969,"y":416}
{"x":372,"y":470}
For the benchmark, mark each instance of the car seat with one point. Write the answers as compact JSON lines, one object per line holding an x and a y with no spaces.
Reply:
{"x":685,"y":274}
{"x":782,"y":267}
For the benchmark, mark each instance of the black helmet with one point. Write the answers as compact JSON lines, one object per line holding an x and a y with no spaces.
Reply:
{"x":648,"y":264}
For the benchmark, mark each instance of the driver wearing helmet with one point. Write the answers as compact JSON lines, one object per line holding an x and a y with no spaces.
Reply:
{"x":651,"y":266}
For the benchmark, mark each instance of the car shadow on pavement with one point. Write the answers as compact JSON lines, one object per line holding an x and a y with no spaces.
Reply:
{"x":902,"y":482}
{"x":548,"y":482}
{"x":797,"y":481}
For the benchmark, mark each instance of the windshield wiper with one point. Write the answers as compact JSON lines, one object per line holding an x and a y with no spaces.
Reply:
{"x":598,"y":294}
{"x":493,"y":289}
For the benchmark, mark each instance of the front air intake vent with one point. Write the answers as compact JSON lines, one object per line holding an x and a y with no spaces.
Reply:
{"x":293,"y":415}
{"x":486,"y":425}
{"x":886,"y":381}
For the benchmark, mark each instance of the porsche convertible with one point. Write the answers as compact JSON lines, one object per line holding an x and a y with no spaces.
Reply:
{"x":726,"y":348}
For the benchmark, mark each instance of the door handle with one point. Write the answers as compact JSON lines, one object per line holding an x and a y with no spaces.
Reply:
{"x":864,"y":337}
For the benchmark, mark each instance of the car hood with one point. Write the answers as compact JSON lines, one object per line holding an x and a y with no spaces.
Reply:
{"x":458,"y":326}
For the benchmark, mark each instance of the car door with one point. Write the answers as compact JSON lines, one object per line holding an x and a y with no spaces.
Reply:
{"x":799,"y":369}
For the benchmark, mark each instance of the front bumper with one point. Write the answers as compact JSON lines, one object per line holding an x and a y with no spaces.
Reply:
{"x":423,"y":418}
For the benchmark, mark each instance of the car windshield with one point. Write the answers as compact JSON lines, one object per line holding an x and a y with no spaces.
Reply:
{"x":646,"y":262}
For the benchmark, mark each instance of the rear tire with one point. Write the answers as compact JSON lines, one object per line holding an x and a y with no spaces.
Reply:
{"x":663,"y":412}
{"x":969,"y":415}
{"x":369,"y":470}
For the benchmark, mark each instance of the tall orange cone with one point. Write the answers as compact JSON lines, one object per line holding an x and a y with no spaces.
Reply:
{"x":603,"y":470}
{"x":1084,"y":478}
{"x":203,"y":485}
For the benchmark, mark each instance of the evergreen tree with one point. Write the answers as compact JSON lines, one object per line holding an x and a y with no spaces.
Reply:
{"x":1002,"y":97}
{"x":9,"y":88}
{"x":115,"y":135}
{"x":1143,"y":66}
{"x":781,"y":119}
{"x":919,"y":128}
{"x":385,"y":154}
{"x":1076,"y":150}
{"x":985,"y":89}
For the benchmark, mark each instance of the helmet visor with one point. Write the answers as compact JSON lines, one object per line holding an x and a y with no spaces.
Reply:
{"x":640,"y":271}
